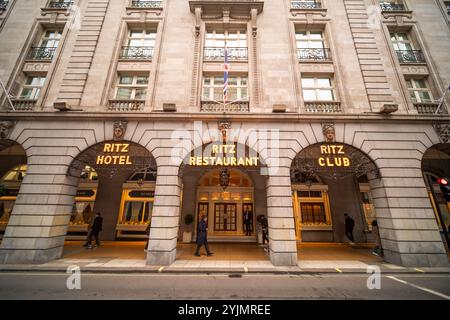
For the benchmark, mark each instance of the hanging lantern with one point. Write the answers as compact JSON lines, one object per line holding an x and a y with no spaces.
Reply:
{"x":224,"y":178}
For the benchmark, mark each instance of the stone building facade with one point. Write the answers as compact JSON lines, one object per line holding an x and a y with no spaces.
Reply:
{"x":363,"y":77}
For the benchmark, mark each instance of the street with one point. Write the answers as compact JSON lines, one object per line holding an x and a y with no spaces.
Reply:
{"x":223,"y":286}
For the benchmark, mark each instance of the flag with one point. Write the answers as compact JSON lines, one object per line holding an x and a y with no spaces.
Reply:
{"x":226,"y":69}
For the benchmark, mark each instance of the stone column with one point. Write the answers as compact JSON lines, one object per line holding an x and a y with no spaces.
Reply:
{"x":282,"y":240}
{"x":38,"y":224}
{"x":165,"y":218}
{"x":408,"y":228}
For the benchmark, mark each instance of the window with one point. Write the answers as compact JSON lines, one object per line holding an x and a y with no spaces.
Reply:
{"x":137,"y":212}
{"x":141,"y":38}
{"x":305,"y":4}
{"x":419,"y":91}
{"x":233,"y":39}
{"x":317,"y":89}
{"x":15,"y":175}
{"x":401,"y":42}
{"x":236,"y":42}
{"x":32,"y":88}
{"x":313,"y":213}
{"x":139,"y":44}
{"x":60,"y":4}
{"x":237,"y":88}
{"x":132,"y":87}
{"x":393,"y":5}
{"x":311,"y":45}
{"x":309,"y":39}
{"x":51,"y":39}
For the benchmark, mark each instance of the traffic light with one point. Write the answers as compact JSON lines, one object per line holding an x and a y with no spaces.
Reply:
{"x":444,"y":184}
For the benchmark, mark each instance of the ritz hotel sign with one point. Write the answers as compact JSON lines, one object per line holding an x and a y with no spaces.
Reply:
{"x":115,"y":154}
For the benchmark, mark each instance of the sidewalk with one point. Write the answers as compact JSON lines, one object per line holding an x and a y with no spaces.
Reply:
{"x":237,"y":259}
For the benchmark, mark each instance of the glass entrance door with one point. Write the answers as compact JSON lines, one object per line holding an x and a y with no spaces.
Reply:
{"x":225,"y":217}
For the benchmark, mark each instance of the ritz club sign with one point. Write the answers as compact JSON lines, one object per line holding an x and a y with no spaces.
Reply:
{"x":224,"y":155}
{"x":333,"y":156}
{"x":115,"y":154}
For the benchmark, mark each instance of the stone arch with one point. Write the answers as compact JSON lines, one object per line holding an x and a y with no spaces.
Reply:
{"x":13,"y":167}
{"x":114,"y":162}
{"x":338,"y":165}
{"x":435,"y":164}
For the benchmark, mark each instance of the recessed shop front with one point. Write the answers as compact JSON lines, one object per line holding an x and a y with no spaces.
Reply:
{"x":223,"y":182}
{"x":118,"y":180}
{"x":328,"y":181}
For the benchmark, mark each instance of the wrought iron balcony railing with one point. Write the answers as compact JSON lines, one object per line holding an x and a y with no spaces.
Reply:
{"x":391,"y":6}
{"x":60,"y":4}
{"x":213,"y":53}
{"x":306,"y":5}
{"x":429,"y":108}
{"x":316,"y":54}
{"x":323,"y":107}
{"x":3,"y":5}
{"x":136,"y":53}
{"x":126,"y":105}
{"x":410,"y":56}
{"x":212,"y":106}
{"x":21,"y":104}
{"x":146,"y":4}
{"x":42,"y":53}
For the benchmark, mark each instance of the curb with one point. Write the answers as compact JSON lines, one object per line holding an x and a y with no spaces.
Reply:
{"x":238,"y":271}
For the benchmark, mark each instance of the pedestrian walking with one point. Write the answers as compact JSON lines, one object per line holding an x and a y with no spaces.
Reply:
{"x":202,"y":237}
{"x":378,"y":250}
{"x":94,"y":231}
{"x":349,"y":226}
{"x":265,"y":229}
{"x":248,"y":222}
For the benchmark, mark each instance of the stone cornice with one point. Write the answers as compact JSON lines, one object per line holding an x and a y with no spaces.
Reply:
{"x":216,"y":6}
{"x":253,"y":117}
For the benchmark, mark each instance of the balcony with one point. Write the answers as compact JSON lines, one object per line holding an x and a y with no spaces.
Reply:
{"x":146,"y":4}
{"x":3,"y":5}
{"x":323,"y":107}
{"x":306,"y":5}
{"x":218,"y":54}
{"x":234,"y":107}
{"x":428,"y":108}
{"x":137,"y":53}
{"x":21,"y":104}
{"x":60,"y":5}
{"x":42,"y":53}
{"x":317,"y":54}
{"x":391,"y":6}
{"x":126,"y":105}
{"x":410,"y":56}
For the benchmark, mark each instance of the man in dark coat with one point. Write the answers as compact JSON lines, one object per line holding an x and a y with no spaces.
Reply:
{"x":248,"y":222}
{"x":202,"y":237}
{"x":94,"y":231}
{"x":265,"y":229}
{"x":349,"y":226}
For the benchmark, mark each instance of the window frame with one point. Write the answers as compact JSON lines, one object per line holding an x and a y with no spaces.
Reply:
{"x":35,"y":89}
{"x":133,"y":86}
{"x":414,"y":89}
{"x":317,"y":89}
{"x":238,"y":87}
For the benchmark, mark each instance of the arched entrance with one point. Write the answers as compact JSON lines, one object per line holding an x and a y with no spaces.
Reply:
{"x":225,"y":206}
{"x":224,"y":182}
{"x":13,"y":168}
{"x":117,"y":179}
{"x":328,"y":181}
{"x":436,"y":165}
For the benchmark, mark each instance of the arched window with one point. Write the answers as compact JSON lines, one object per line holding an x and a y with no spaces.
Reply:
{"x":147,"y":174}
{"x":16,"y":174}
